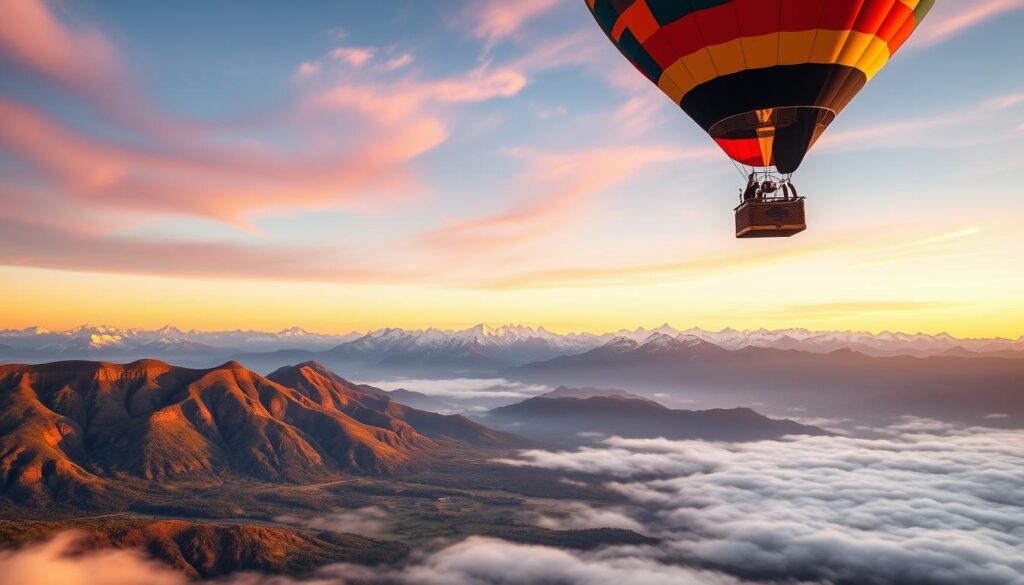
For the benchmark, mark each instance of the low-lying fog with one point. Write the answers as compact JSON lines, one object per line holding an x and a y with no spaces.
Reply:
{"x":921,"y":501}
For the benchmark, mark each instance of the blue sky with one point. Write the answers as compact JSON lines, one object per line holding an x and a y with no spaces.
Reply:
{"x":407,"y":163}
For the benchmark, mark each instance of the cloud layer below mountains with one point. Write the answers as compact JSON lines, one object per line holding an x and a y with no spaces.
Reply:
{"x":921,"y":502}
{"x":926,"y":502}
{"x":464,"y":388}
{"x":366,"y":521}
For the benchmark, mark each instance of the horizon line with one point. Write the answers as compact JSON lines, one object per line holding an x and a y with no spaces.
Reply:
{"x":534,"y":328}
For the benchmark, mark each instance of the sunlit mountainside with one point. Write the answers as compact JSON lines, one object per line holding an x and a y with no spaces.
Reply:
{"x":70,"y":428}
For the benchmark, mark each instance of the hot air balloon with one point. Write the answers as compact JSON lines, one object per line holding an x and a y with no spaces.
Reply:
{"x":764,"y":78}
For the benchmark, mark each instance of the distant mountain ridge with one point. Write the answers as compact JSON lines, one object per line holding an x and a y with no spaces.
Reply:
{"x":579,"y":420}
{"x":590,"y":392}
{"x":473,"y":350}
{"x":68,"y":428}
{"x":192,"y":347}
{"x":840,"y":383}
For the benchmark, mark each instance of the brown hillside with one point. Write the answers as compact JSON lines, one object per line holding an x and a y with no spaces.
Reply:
{"x":63,"y":425}
{"x":373,"y":406}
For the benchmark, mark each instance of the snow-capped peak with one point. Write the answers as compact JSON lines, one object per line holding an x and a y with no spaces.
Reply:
{"x":512,"y":339}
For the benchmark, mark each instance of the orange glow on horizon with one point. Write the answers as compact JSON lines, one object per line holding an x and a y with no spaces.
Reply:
{"x":62,"y":300}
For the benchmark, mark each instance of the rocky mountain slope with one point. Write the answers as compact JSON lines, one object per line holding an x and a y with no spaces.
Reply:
{"x":68,"y":429}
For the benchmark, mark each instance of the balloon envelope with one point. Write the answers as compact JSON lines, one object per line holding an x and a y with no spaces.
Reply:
{"x":764,"y":78}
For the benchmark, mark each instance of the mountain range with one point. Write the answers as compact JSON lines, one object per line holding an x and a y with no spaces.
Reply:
{"x":475,"y":350}
{"x":69,"y":430}
{"x":840,"y":383}
{"x":74,"y":432}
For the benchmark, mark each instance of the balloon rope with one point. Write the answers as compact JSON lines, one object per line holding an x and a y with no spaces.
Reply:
{"x":741,"y":171}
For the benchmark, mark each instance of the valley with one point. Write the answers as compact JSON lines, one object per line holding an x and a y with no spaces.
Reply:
{"x":222,"y":470}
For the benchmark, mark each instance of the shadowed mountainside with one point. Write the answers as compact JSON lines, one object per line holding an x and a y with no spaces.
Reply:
{"x":67,"y":428}
{"x":577,"y":421}
{"x":842,"y":383}
{"x":590,"y":392}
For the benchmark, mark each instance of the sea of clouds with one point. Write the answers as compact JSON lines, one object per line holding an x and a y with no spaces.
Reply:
{"x":920,"y":502}
{"x":464,"y":388}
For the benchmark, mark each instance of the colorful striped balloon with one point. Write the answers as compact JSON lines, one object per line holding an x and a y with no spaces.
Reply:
{"x":764,"y":78}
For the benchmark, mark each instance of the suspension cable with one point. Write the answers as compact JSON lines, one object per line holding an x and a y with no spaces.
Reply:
{"x":741,"y":171}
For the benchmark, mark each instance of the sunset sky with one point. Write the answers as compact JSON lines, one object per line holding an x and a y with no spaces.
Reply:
{"x":352,"y":165}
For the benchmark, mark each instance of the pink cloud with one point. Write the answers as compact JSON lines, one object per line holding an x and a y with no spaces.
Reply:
{"x":346,"y":147}
{"x":222,"y":183}
{"x":479,"y":86}
{"x":588,"y":50}
{"x":82,"y":62}
{"x":578,"y":48}
{"x":81,"y":58}
{"x":37,"y":244}
{"x":398,"y":62}
{"x":354,"y":56}
{"x":349,"y":155}
{"x":395,"y":102}
{"x":949,"y":19}
{"x":565,"y":183}
{"x":639,"y":113}
{"x":495,"y":20}
{"x":308,"y":69}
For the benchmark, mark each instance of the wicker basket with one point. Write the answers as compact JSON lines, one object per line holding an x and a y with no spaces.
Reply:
{"x":774,"y":218}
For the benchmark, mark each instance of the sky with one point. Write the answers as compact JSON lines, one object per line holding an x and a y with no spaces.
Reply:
{"x":349,"y":165}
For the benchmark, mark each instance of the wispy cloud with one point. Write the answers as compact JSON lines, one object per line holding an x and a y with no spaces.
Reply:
{"x":932,"y":130}
{"x":495,"y":20}
{"x":308,"y":69}
{"x":354,"y":56}
{"x":334,"y":156}
{"x":617,"y":275}
{"x":889,"y":244}
{"x":949,"y":19}
{"x":26,"y":243}
{"x":211,"y":181}
{"x":346,"y":59}
{"x":79,"y":59}
{"x":398,"y":62}
{"x":562,"y":184}
{"x":397,"y":103}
